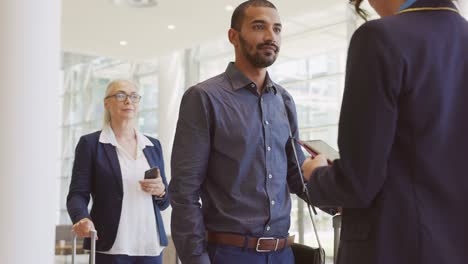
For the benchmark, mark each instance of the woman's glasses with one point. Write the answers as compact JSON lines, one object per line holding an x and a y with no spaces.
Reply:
{"x":122,"y":97}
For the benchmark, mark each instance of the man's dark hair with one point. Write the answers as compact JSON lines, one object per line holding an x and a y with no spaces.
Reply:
{"x":239,"y":13}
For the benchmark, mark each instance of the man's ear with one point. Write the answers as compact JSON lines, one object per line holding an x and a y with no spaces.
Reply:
{"x":233,"y":36}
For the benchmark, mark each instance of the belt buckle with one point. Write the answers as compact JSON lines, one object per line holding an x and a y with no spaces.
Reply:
{"x":266,"y":238}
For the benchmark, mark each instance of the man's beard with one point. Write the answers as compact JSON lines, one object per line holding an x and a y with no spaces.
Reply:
{"x":258,"y":60}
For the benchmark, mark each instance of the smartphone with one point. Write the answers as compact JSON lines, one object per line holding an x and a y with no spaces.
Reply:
{"x":152,"y":173}
{"x":315,"y":147}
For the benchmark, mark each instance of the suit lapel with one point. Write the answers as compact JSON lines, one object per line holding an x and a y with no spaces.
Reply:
{"x":111,"y":154}
{"x":150,"y":156}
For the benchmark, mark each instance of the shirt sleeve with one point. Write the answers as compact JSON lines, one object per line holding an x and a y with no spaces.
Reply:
{"x":189,"y":162}
{"x":367,"y":123}
{"x":293,"y":176}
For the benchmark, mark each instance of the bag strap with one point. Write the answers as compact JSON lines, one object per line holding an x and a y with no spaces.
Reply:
{"x":304,"y":186}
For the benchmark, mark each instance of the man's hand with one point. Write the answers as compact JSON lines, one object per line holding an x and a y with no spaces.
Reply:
{"x":311,"y":164}
{"x":83,"y":227}
{"x":153,"y":186}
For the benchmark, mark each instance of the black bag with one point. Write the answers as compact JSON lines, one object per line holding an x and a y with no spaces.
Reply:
{"x":307,"y":255}
{"x":304,"y":254}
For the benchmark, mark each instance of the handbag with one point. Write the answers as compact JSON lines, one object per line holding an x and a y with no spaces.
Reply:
{"x":305,"y":254}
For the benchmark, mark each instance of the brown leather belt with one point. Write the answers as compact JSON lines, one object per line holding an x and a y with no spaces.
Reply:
{"x":260,"y":244}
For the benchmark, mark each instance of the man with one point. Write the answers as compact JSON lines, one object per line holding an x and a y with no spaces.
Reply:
{"x":402,"y":177}
{"x":232,"y":150}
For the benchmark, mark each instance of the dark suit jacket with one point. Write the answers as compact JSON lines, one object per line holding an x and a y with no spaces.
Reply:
{"x":96,"y":173}
{"x":403,"y":137}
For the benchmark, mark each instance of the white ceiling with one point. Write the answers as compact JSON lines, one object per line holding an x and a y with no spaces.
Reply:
{"x":96,"y":27}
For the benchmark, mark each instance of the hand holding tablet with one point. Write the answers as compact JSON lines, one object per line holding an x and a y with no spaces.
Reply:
{"x":316,"y":147}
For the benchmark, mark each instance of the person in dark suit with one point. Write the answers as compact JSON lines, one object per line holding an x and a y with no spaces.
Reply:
{"x":110,"y":166}
{"x":402,"y":180}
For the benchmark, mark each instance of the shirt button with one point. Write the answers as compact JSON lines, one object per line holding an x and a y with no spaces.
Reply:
{"x":270,"y":176}
{"x":266,"y":122}
{"x":252,"y":85}
{"x":268,"y":148}
{"x":272,"y":202}
{"x":268,"y":228}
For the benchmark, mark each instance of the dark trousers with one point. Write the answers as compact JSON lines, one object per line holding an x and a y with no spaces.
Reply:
{"x":124,"y":259}
{"x":221,"y":254}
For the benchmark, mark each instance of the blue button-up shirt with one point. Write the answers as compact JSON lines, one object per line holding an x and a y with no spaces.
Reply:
{"x":232,"y":150}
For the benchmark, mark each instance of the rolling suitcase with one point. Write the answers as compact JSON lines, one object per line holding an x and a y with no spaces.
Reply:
{"x":92,"y":253}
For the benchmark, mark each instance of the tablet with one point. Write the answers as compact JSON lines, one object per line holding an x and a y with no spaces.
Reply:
{"x":315,"y":147}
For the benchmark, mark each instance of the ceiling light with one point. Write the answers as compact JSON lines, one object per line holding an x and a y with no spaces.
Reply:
{"x":136,"y":3}
{"x":171,"y":27}
{"x":229,"y":8}
{"x":123,"y":43}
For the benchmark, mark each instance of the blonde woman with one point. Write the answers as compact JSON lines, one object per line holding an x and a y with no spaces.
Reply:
{"x":110,"y":166}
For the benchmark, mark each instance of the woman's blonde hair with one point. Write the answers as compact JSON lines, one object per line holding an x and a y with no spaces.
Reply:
{"x":109,"y":89}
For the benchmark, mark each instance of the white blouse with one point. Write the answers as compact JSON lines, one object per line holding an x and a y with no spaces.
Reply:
{"x":137,"y":234}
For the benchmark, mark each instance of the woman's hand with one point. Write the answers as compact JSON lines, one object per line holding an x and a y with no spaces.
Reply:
{"x":83,"y":227}
{"x":310,"y":165}
{"x":153,"y":186}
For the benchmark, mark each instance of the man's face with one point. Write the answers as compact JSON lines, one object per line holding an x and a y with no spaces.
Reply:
{"x":260,"y":36}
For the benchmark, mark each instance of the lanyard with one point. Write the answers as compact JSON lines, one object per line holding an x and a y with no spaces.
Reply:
{"x":429,"y":9}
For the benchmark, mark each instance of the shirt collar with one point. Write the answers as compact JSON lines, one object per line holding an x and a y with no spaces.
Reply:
{"x":108,"y":137}
{"x":239,"y":80}
{"x":269,"y":84}
{"x":407,"y":4}
{"x":142,"y":140}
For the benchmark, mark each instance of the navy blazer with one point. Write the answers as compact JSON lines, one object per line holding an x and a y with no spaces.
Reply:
{"x":403,"y":137}
{"x":96,"y":173}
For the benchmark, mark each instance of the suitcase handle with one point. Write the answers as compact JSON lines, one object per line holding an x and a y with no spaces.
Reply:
{"x":337,"y":234}
{"x":92,"y":254}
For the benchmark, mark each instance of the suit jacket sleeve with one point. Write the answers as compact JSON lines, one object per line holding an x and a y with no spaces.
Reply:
{"x":80,"y":186}
{"x":163,"y":202}
{"x":367,"y":123}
